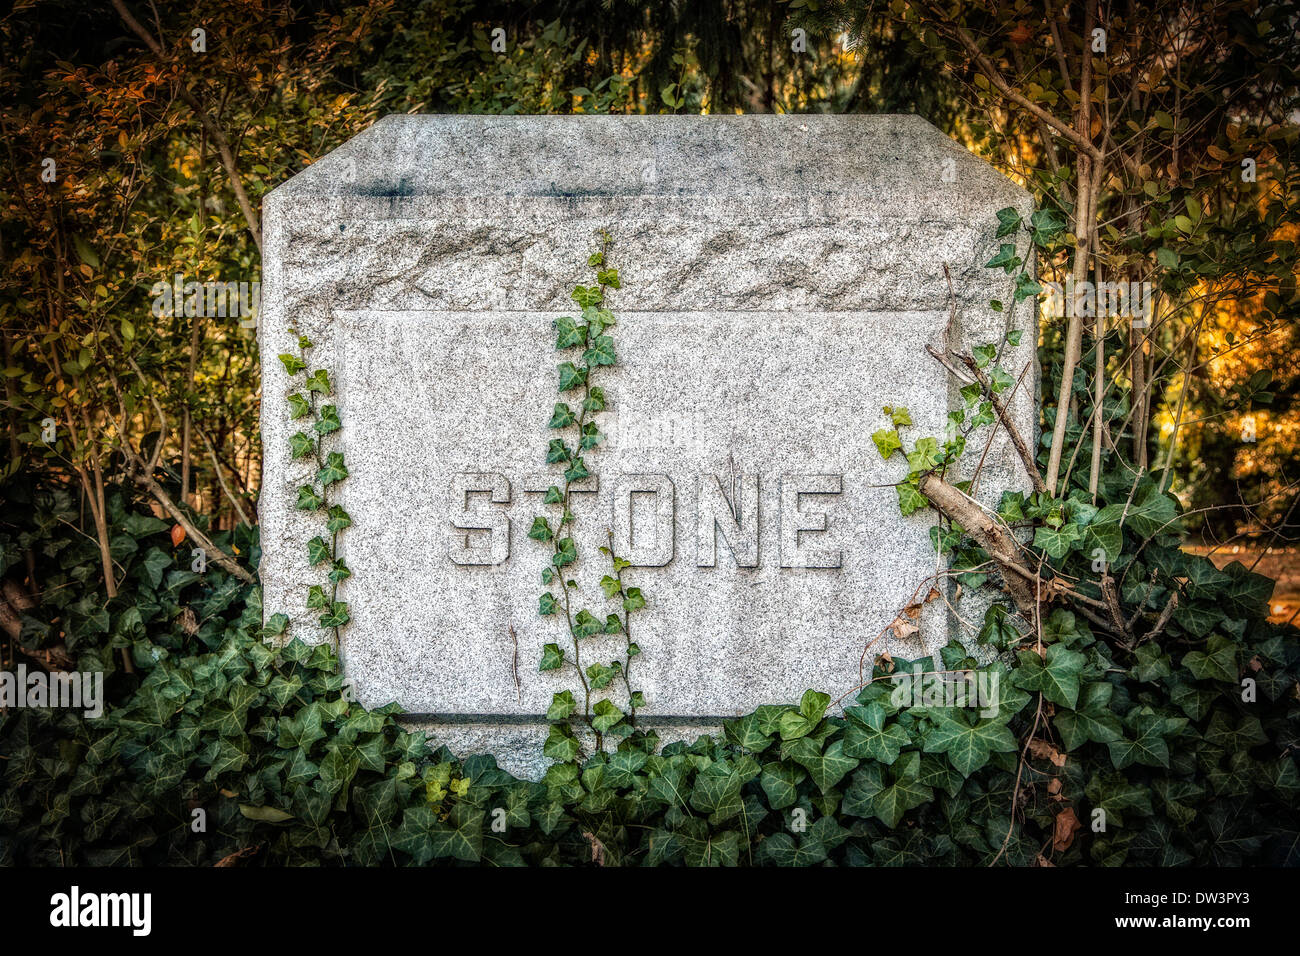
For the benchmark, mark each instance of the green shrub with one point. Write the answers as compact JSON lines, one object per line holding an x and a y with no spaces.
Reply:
{"x":283,"y":765}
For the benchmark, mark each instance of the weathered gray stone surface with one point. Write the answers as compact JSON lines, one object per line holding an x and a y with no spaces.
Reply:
{"x":781,"y":278}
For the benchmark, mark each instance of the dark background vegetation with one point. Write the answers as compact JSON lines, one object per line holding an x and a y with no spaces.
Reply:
{"x":163,"y":154}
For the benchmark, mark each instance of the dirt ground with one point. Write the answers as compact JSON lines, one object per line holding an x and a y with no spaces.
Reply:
{"x":1280,"y":564}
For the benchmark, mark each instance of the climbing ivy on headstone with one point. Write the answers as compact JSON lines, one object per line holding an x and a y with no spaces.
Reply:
{"x":587,"y":344}
{"x":306,"y":404}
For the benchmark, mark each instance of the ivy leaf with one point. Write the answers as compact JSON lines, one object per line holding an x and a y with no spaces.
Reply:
{"x":887,"y":442}
{"x":552,"y":658}
{"x":1235,"y":735}
{"x":276,"y":625}
{"x":794,"y":724}
{"x":826,"y":767}
{"x":1154,"y":513}
{"x":318,"y":381}
{"x":566,"y":552}
{"x":906,"y":792}
{"x":587,"y":295}
{"x":562,"y":704}
{"x":591,"y":436}
{"x":339,"y":572}
{"x":1026,"y":286}
{"x":595,"y":400}
{"x":292,"y":364}
{"x":1056,"y":541}
{"x":717,"y":792}
{"x":317,"y":551}
{"x":547,"y":605}
{"x":299,"y":406}
{"x":561,"y":745}
{"x":562,"y":416}
{"x":1056,"y":678}
{"x":541,"y":530}
{"x":634,"y":600}
{"x":569,"y":333}
{"x":571,"y":376}
{"x":780,"y":781}
{"x":576,"y":471}
{"x":605,"y":716}
{"x":1148,"y":748}
{"x":556,"y":452}
{"x":553,"y":496}
{"x":586,"y":624}
{"x":308,"y":499}
{"x":1217,"y":662}
{"x":997,"y":630}
{"x":601,"y":675}
{"x":337,"y":615}
{"x":782,"y":849}
{"x":328,"y":421}
{"x":601,"y":352}
{"x":871,"y":736}
{"x":338,"y":520}
{"x":749,"y":732}
{"x":1008,"y":222}
{"x":301,"y":445}
{"x":910,"y":498}
{"x":967,"y":739}
{"x":924,"y":455}
{"x":1006,"y":258}
{"x":1198,"y":618}
{"x":334,"y":469}
{"x":1046,"y":224}
{"x":610,"y":586}
{"x":598,"y":320}
{"x":1077,"y":727}
{"x":1152,"y":664}
{"x":1108,"y":537}
{"x":984,"y":355}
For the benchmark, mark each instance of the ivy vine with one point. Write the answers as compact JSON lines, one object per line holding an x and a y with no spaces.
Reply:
{"x":320,"y":422}
{"x":579,"y":435}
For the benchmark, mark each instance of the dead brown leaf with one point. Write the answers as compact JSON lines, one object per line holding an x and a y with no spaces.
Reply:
{"x":903,"y":628}
{"x":1067,"y":824}
{"x":597,"y":848}
{"x":1044,"y":751}
{"x":239,"y":856}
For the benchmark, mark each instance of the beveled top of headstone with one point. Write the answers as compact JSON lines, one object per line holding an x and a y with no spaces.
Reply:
{"x":854,"y":159}
{"x":782,"y":276}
